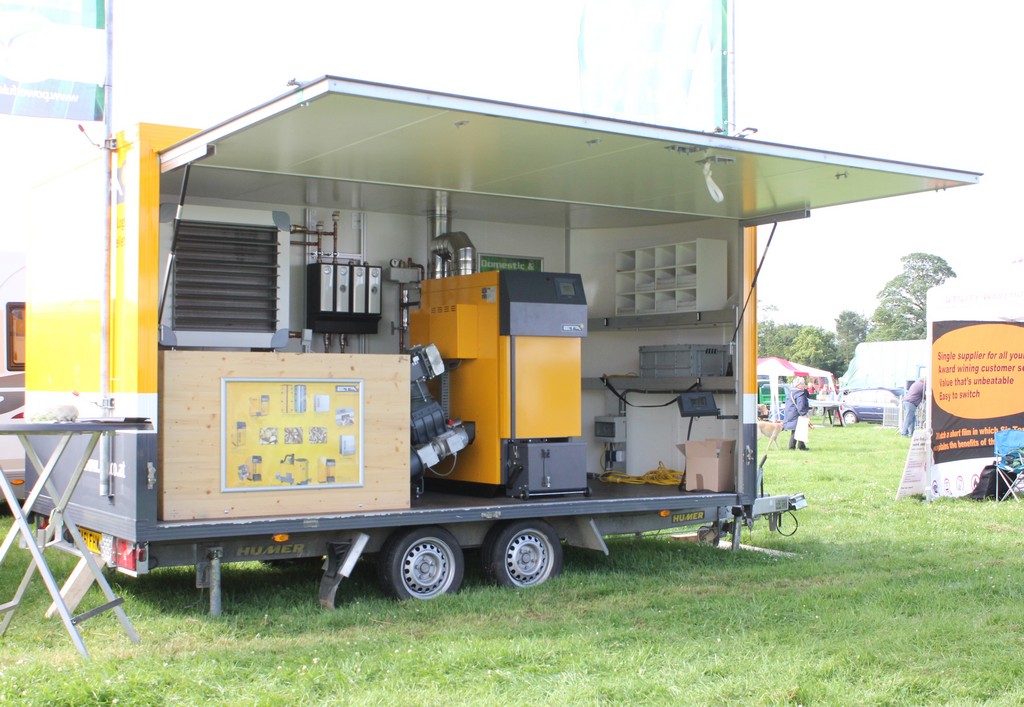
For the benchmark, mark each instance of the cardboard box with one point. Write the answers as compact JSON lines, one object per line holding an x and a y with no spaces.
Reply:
{"x":709,"y":464}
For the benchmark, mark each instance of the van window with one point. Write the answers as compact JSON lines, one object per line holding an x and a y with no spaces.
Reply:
{"x":15,"y":336}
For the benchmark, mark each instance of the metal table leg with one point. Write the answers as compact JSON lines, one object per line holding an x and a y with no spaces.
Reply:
{"x":38,"y":563}
{"x":59,"y":519}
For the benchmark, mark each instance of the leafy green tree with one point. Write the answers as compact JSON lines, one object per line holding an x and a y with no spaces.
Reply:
{"x":813,"y":346}
{"x":809,"y":345}
{"x":851,"y":329}
{"x":901,"y":311}
{"x":775,"y":339}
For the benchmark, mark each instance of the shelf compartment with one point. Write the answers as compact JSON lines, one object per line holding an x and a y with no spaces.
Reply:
{"x":678,"y":277}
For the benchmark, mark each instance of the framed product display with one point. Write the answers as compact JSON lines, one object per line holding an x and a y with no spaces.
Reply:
{"x":290,"y":434}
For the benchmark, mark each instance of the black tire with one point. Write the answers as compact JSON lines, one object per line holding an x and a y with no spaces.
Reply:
{"x":420,"y":563}
{"x":521,"y":554}
{"x":850,"y":418}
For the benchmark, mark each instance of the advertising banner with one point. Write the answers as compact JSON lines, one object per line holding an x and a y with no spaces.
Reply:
{"x":53,"y":59}
{"x":977,"y":377}
{"x":663,"y":61}
{"x":915,"y":470}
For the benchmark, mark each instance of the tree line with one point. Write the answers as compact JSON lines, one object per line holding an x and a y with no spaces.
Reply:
{"x":901,"y":315}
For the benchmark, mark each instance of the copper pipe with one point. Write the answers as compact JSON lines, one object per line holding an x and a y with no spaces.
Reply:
{"x":335,"y":216}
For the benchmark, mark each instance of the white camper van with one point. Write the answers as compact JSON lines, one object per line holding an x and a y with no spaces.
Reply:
{"x":12,"y":380}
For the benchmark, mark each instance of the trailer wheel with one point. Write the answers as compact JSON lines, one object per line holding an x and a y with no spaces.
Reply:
{"x":521,"y":554}
{"x":709,"y":534}
{"x":420,"y":563}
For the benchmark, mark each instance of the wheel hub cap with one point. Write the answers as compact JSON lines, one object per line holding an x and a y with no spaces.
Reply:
{"x":426,"y":570}
{"x":526,"y":559}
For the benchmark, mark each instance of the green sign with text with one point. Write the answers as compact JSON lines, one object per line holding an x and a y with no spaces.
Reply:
{"x":518,"y":263}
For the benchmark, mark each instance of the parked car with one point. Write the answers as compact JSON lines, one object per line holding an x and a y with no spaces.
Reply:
{"x":868,"y":404}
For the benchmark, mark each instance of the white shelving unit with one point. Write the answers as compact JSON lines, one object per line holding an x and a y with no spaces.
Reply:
{"x":664,"y":279}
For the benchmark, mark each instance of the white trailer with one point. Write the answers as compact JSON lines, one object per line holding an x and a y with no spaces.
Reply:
{"x":330,"y":372}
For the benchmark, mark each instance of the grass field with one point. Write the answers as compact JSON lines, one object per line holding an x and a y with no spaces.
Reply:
{"x":882,"y":602}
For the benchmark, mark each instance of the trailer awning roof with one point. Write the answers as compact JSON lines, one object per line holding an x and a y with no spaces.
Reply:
{"x":347,"y":144}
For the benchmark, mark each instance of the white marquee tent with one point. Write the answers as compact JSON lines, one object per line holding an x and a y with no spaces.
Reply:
{"x":774,"y":369}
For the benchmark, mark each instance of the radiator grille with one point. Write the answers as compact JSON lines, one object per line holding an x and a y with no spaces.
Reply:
{"x":225,"y":278}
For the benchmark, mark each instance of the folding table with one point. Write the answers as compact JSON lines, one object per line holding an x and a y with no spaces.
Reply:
{"x":60,"y":519}
{"x":831,"y":410}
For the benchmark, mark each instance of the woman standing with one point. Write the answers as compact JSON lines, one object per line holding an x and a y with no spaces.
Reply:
{"x":797,"y":414}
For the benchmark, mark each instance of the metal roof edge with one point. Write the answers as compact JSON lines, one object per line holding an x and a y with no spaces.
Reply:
{"x":197,"y":146}
{"x":451,"y":101}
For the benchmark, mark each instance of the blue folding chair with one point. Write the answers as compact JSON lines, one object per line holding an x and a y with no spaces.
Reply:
{"x":1009,"y":450}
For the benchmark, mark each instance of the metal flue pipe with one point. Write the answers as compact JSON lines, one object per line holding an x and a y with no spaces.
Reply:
{"x":452,"y":254}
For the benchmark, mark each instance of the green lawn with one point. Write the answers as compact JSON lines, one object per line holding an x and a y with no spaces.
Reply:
{"x":883,"y":602}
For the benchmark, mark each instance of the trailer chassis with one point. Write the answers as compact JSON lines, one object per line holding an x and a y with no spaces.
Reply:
{"x":438,"y":527}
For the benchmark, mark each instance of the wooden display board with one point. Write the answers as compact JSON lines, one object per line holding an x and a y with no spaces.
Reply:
{"x":208,"y":440}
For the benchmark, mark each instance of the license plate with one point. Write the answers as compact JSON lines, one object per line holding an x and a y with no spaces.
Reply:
{"x":91,"y":538}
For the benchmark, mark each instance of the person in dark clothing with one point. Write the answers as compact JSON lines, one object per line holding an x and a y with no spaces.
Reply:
{"x":797,"y":406}
{"x":911,"y":401}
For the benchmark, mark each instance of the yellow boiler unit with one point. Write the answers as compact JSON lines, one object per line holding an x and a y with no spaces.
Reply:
{"x":512,"y":343}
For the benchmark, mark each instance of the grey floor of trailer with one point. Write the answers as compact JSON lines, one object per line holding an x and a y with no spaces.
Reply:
{"x":599,"y":491}
{"x":439,"y":507}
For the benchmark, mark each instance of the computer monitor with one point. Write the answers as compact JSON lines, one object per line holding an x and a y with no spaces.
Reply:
{"x":697,"y":404}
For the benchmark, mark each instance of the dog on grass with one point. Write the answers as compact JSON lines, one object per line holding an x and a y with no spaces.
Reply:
{"x":771,"y":430}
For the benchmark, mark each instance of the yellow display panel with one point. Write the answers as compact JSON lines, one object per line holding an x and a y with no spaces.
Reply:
{"x":750,"y":322}
{"x":454,"y":332}
{"x":136,"y":260}
{"x":291,"y":434}
{"x":548,"y":395}
{"x":451,"y":311}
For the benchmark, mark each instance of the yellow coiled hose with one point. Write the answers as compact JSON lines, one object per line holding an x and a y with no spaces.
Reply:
{"x":662,"y":476}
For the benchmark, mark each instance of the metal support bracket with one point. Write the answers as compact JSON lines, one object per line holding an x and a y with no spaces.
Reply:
{"x":339,"y":563}
{"x":737,"y":527}
{"x":215,"y":554}
{"x":208,"y":576}
{"x":86,"y":615}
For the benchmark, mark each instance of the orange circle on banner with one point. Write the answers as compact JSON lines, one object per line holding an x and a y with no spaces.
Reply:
{"x":978,"y":371}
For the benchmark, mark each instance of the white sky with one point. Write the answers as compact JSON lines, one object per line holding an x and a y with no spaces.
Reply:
{"x":933,"y":82}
